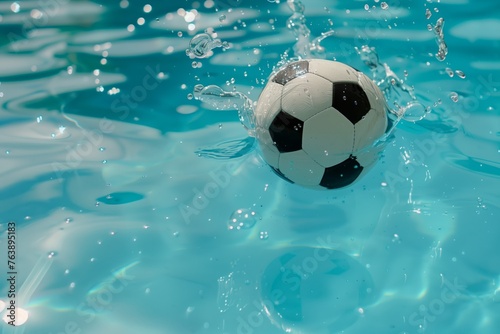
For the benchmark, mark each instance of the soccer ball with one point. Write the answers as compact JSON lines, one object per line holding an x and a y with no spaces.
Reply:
{"x":316,"y":123}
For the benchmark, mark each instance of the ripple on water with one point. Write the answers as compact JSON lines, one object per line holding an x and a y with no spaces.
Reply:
{"x":22,"y":67}
{"x":51,"y":91}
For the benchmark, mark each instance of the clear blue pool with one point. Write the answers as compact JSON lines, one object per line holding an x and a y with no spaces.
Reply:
{"x":138,"y":208}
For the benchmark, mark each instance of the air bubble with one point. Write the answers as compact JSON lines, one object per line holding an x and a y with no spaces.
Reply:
{"x":384,"y":5}
{"x":242,"y":219}
{"x":449,"y":71}
{"x":454,"y":97}
{"x":222,"y":18}
{"x":263,"y":235}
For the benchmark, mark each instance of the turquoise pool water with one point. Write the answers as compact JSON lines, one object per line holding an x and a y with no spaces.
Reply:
{"x":138,"y":208}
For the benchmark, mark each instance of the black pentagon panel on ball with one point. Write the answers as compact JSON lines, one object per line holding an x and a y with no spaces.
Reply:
{"x":342,"y":174}
{"x":291,"y":71}
{"x":286,"y":132}
{"x":350,"y":100}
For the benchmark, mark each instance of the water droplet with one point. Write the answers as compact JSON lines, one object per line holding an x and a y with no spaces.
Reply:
{"x":15,"y":7}
{"x":460,"y":74}
{"x":242,"y":219}
{"x":438,"y":31}
{"x":201,"y":46}
{"x":428,"y":13}
{"x":395,"y":238}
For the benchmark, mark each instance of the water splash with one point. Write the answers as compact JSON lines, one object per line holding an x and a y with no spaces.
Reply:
{"x":438,"y":31}
{"x":228,"y":150}
{"x":304,"y":47}
{"x":201,"y":46}
{"x":405,"y":103}
{"x":223,"y":100}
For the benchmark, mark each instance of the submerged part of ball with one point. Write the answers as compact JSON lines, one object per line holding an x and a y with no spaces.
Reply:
{"x":317,"y":121}
{"x":315,"y":290}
